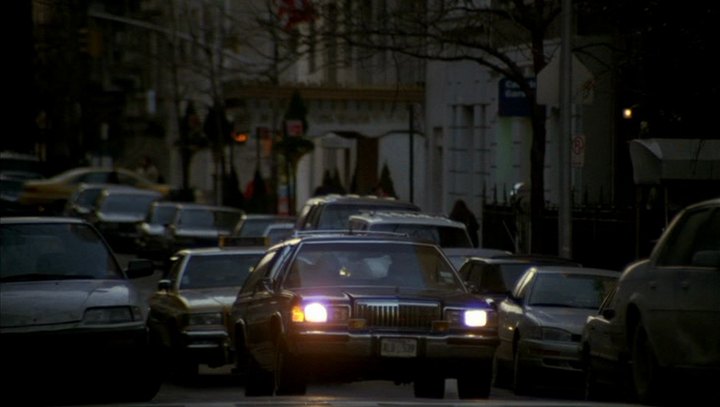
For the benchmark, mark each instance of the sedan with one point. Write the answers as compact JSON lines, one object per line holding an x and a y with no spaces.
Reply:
{"x":71,"y":321}
{"x":188,"y":313}
{"x":495,"y":276}
{"x":118,"y":211}
{"x":360,"y":307}
{"x":199,"y":225}
{"x":661,"y":328}
{"x":51,"y":194}
{"x":541,"y":321}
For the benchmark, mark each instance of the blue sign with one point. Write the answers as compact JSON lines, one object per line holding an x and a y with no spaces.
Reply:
{"x":512,"y":100}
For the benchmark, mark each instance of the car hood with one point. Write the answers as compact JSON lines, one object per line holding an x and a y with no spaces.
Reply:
{"x":385,"y":293}
{"x":569,"y":319}
{"x":43,"y":304}
{"x":210,"y":297}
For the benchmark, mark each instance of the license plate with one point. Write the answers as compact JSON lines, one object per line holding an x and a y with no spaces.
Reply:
{"x":398,"y":347}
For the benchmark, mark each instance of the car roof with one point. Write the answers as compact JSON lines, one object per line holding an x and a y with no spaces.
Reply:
{"x":209,"y":251}
{"x":405,"y":217}
{"x":352,"y":236}
{"x":589,"y":271}
{"x":193,"y":205}
{"x":539,"y":259}
{"x":19,"y":220}
{"x":360,"y":199}
{"x":267,"y":216}
{"x":130,"y":191}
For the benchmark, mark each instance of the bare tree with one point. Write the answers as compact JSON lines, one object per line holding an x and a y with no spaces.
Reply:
{"x":508,"y":37}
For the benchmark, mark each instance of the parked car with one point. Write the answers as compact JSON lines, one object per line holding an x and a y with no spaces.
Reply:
{"x":200,"y":225}
{"x":152,"y":234}
{"x":81,"y":202}
{"x":277,"y":232}
{"x":11,"y":184}
{"x":361,"y":307}
{"x":661,"y":327}
{"x":495,"y":276}
{"x":188,"y":313}
{"x":118,"y":211}
{"x":71,"y":321}
{"x":458,"y":255}
{"x":51,"y":194}
{"x":438,"y":229}
{"x":254,"y":224}
{"x":331,"y":212}
{"x":540,"y":324}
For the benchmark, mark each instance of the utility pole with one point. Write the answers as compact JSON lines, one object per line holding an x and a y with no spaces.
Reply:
{"x":565,"y":201}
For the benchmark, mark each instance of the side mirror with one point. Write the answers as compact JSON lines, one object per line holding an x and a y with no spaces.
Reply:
{"x":608,"y":313}
{"x":267,"y":284}
{"x":164,"y":285}
{"x":139,"y":268}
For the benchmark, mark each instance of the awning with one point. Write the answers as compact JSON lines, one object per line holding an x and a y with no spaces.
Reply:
{"x":655,"y":160}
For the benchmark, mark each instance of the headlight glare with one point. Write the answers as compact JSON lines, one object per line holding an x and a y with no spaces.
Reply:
{"x":315,"y":312}
{"x":475,"y":318}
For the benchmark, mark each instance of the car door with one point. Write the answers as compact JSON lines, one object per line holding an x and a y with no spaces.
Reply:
{"x":685,"y":282}
{"x":255,"y":306}
{"x":510,"y":314}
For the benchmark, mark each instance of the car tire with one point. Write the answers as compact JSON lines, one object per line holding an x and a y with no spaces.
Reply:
{"x":259,"y":382}
{"x":429,"y":385}
{"x":501,"y":375}
{"x":646,"y":373}
{"x":593,"y":390}
{"x":289,"y":374}
{"x":522,"y":377}
{"x":475,"y":383}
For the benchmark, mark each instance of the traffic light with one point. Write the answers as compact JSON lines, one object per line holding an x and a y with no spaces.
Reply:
{"x":240,"y":137}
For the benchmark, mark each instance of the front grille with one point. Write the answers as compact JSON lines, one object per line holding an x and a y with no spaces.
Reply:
{"x":396,"y":314}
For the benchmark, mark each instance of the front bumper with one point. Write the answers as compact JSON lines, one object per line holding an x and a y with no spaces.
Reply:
{"x":361,"y":353}
{"x":211,"y":347}
{"x":562,"y":357}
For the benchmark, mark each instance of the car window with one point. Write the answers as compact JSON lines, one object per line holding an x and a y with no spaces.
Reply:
{"x":371,"y":264}
{"x":54,"y":251}
{"x":694,"y":236}
{"x":261,"y":270}
{"x":570,"y":290}
{"x":217,"y":270}
{"x":196,"y":218}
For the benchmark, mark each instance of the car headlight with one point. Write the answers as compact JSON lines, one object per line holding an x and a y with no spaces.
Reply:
{"x":111,"y":315}
{"x":207,"y":318}
{"x":317,"y":312}
{"x":469,"y":318}
{"x":548,"y":334}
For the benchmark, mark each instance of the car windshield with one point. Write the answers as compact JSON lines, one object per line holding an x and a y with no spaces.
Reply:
{"x":128,"y":203}
{"x":372,"y":264}
{"x":161,"y":215}
{"x":254,"y":227}
{"x":227,"y":270}
{"x":444,"y":236}
{"x":570,"y":290}
{"x":32,"y":252}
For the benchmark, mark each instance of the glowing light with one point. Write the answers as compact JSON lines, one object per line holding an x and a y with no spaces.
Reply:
{"x":316,"y":312}
{"x":475,"y":318}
